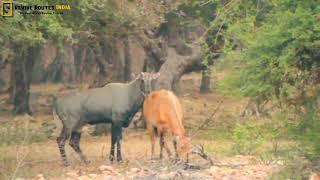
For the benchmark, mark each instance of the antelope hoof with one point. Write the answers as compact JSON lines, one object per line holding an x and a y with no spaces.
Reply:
{"x":66,"y":164}
{"x":111,"y":158}
{"x":176,"y":159}
{"x":86,"y":161}
{"x":119,"y":160}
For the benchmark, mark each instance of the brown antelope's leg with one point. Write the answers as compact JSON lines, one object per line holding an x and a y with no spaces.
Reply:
{"x":166,"y":146}
{"x":161,"y":144}
{"x":61,"y":140}
{"x":151,"y":134}
{"x":74,"y":143}
{"x":175,"y":146}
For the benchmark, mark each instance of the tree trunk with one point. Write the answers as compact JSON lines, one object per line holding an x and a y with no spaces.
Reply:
{"x":80,"y":61}
{"x":175,"y":66}
{"x":54,"y":73}
{"x":117,"y":63}
{"x":20,"y":95}
{"x":21,"y":76}
{"x":62,"y":69}
{"x":12,"y":79}
{"x":205,"y":82}
{"x":3,"y":65}
{"x":101,"y":63}
{"x":127,"y":60}
{"x":155,"y":50}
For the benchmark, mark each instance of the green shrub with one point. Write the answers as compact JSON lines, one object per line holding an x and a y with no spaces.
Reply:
{"x":247,"y":138}
{"x":307,"y":131}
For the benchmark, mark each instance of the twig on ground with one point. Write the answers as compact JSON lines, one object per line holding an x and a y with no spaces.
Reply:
{"x":140,"y":166}
{"x":41,"y":161}
{"x":69,"y":86}
{"x":199,"y":150}
{"x":19,"y":159}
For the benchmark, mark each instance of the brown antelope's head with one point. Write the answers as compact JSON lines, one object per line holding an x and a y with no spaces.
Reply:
{"x":147,"y":81}
{"x":199,"y":150}
{"x":184,"y":147}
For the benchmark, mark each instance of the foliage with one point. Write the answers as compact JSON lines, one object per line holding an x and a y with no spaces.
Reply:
{"x":194,"y":13}
{"x":24,"y":32}
{"x":278,"y":54}
{"x":247,"y":138}
{"x":307,"y":131}
{"x":208,"y":57}
{"x":197,"y":16}
{"x":274,"y":49}
{"x":87,"y":20}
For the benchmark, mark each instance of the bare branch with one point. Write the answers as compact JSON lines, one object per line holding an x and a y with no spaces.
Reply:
{"x":206,"y":121}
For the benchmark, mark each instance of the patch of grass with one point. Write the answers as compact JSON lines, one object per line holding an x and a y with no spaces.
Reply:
{"x":296,"y":169}
{"x":219,"y":147}
{"x":215,"y":141}
{"x":101,"y":129}
{"x":247,"y":138}
{"x":214,"y":134}
{"x":21,"y":134}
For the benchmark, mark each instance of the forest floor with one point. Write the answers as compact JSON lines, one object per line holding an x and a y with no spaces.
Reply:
{"x":28,"y":152}
{"x":42,"y":159}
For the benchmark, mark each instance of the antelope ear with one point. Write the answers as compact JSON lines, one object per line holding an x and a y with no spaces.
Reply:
{"x":176,"y":138}
{"x":156,"y":75}
{"x":188,"y":139}
{"x":142,"y":74}
{"x":133,"y":75}
{"x":137,"y":75}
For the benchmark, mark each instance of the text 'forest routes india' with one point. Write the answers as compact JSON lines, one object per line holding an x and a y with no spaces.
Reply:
{"x":8,"y":8}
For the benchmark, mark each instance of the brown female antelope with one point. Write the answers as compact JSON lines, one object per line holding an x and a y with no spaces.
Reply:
{"x":163,"y":110}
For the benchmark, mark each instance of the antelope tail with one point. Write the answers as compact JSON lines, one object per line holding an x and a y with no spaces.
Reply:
{"x":57,"y":122}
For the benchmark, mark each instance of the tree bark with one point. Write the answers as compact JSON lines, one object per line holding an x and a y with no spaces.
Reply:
{"x":127,"y":60}
{"x":175,"y":66}
{"x":3,"y":65}
{"x":62,"y":69}
{"x":80,"y":61}
{"x":54,"y":73}
{"x":205,"y":82}
{"x":101,"y":63}
{"x":21,"y":76}
{"x":155,"y":50}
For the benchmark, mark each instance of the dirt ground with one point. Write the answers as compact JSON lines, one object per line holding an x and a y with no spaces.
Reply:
{"x":42,"y":161}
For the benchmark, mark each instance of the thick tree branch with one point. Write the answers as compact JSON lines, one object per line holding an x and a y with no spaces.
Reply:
{"x":176,"y":65}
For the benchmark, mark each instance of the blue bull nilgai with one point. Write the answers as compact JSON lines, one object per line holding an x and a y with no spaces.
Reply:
{"x":115,"y":103}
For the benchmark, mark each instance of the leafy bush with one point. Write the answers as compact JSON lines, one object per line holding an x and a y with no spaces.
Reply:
{"x":247,"y":138}
{"x":307,"y":131}
{"x":279,"y":52}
